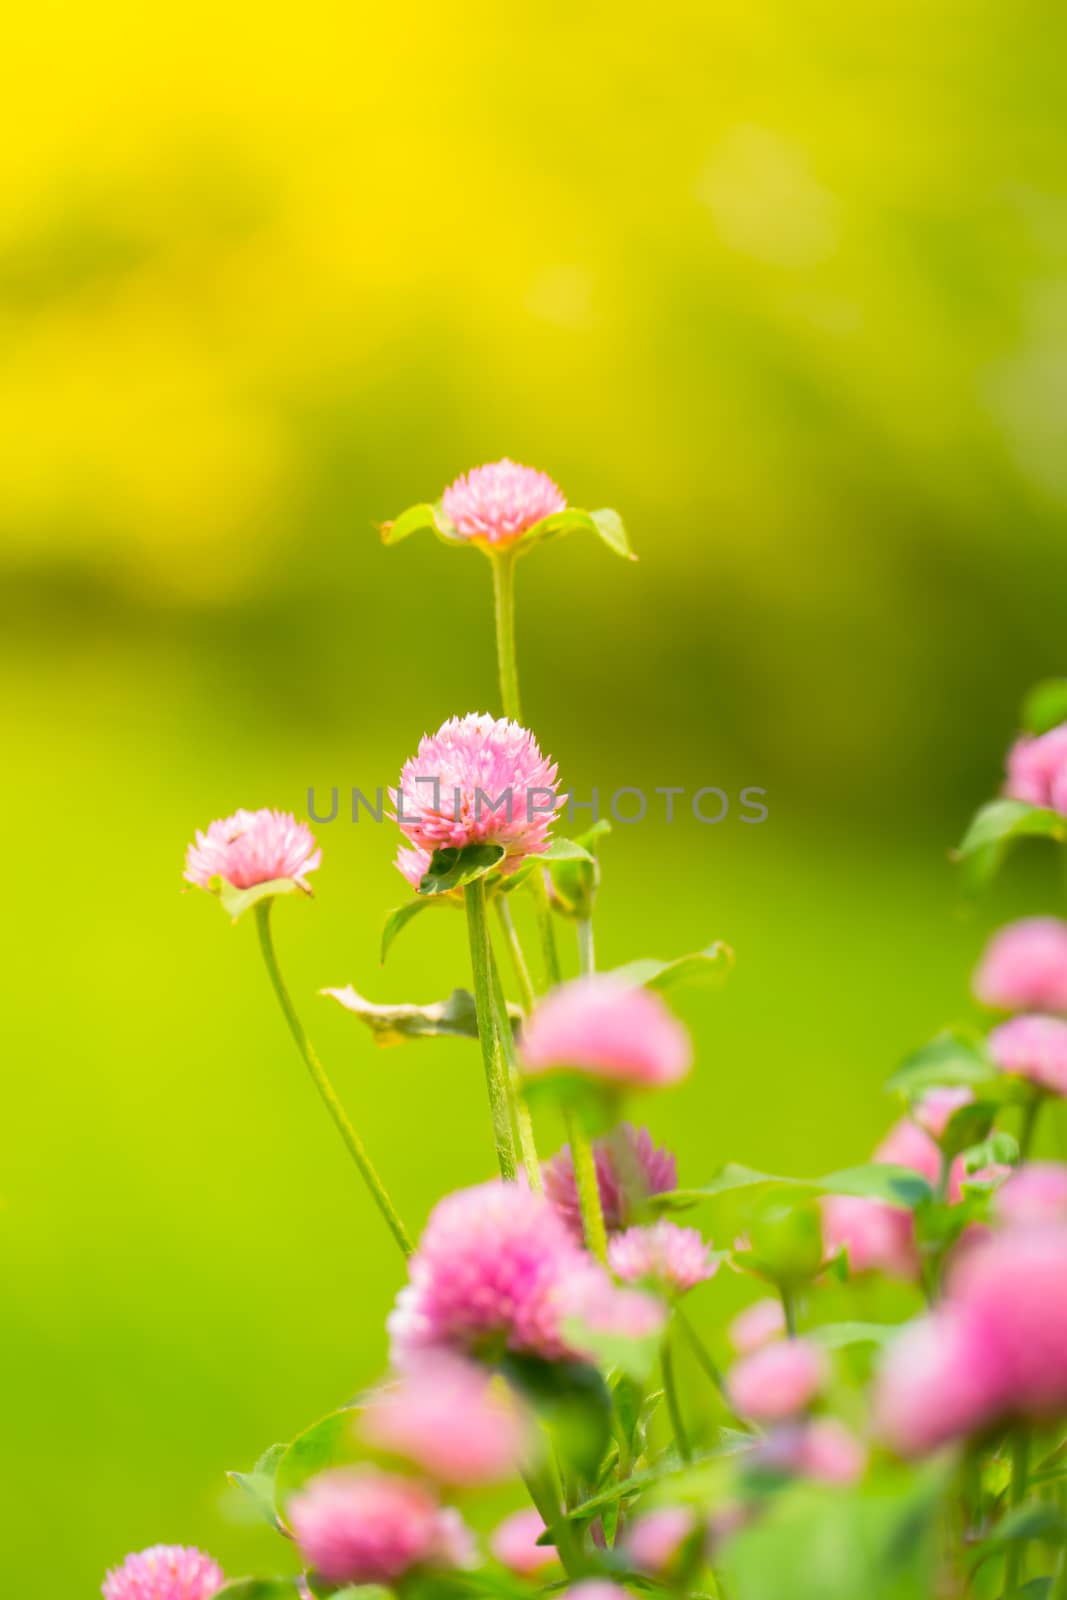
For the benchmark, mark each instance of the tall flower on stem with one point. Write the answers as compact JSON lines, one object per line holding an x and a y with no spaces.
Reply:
{"x":248,"y":860}
{"x":165,"y":1572}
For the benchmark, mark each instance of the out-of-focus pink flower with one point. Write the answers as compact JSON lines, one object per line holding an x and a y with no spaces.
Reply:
{"x":757,"y":1325}
{"x":488,"y":1275}
{"x":1033,"y":1047}
{"x":875,"y":1236}
{"x":593,"y":1304}
{"x":935,"y":1110}
{"x":606,"y":1030}
{"x":165,"y":1572}
{"x":477,"y":780}
{"x":1014,"y":1289}
{"x":412,"y":864}
{"x":1024,"y":967}
{"x":253,"y":847}
{"x":777,"y":1381}
{"x":496,"y":504}
{"x":649,"y":1171}
{"x":938,"y":1382}
{"x":672,"y":1259}
{"x":357,"y":1525}
{"x":655,"y":1540}
{"x":1036,"y":1192}
{"x":514,"y":1544}
{"x":824,"y":1450}
{"x":595,"y":1589}
{"x":1034,"y":765}
{"x":452,"y":1419}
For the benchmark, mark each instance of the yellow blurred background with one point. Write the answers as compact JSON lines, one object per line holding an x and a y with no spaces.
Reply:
{"x":785,"y":284}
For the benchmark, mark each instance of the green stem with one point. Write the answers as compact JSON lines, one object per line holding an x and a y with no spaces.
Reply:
{"x":549,"y":952}
{"x":586,"y":947}
{"x":545,"y":1494}
{"x":596,"y":1234}
{"x":496,"y":1068}
{"x":1031,"y":1112}
{"x":503,"y":564}
{"x":322,"y":1083}
{"x":703,"y":1356}
{"x":1020,"y":1470}
{"x":522,"y":971}
{"x":519,"y":1109}
{"x":789,"y":1306}
{"x":670,"y":1392}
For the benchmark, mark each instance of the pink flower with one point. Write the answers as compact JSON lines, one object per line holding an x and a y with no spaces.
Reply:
{"x":1034,"y":765}
{"x":595,"y":1589}
{"x":820,"y":1448}
{"x":357,"y":1525}
{"x":413,"y":864}
{"x":655,"y":1540}
{"x":1033,"y":1047}
{"x":498,"y":503}
{"x":477,"y":781}
{"x":1036,"y":1192}
{"x":452,"y":1419}
{"x":253,"y":847}
{"x":593,"y":1304}
{"x":937,"y":1107}
{"x":875,"y":1236}
{"x":777,"y":1381}
{"x":514,"y":1544}
{"x":937,"y":1382}
{"x":488,"y":1276}
{"x":671,"y":1258}
{"x":165,"y":1572}
{"x":651,"y":1171}
{"x":757,"y":1325}
{"x":1024,"y":967}
{"x":1013,"y":1288}
{"x":607,"y":1030}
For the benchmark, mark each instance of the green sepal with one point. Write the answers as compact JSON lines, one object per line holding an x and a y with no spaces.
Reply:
{"x":237,"y":901}
{"x":418,"y":518}
{"x":606,"y":524}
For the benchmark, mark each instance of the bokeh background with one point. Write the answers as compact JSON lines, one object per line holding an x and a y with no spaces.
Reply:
{"x":785,"y":284}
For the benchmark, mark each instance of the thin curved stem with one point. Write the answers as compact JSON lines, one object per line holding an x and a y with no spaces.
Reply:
{"x":503,"y":564}
{"x":670,"y":1392}
{"x":520,"y":1110}
{"x":596,"y":1234}
{"x":511,"y":934}
{"x":322,"y":1083}
{"x":549,"y":952}
{"x":1031,"y":1112}
{"x":586,"y":947}
{"x":1020,"y":1471}
{"x":493,"y":1057}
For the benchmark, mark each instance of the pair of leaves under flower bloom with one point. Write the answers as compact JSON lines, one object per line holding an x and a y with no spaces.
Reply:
{"x":606,"y":524}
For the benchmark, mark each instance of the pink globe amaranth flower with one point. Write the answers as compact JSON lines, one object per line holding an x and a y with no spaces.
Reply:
{"x":907,"y":1144}
{"x":452,"y":1419}
{"x":650,"y":1171}
{"x":1013,"y":1289}
{"x":876,"y":1237}
{"x":938,"y":1382}
{"x":1035,"y":1192}
{"x":595,"y":1589}
{"x":514,"y":1544}
{"x":777,"y":1381}
{"x":606,"y":1030}
{"x":1033,"y":1047}
{"x":498,"y":503}
{"x":1034,"y":766}
{"x":253,"y":847}
{"x":412,"y":864}
{"x":757,"y":1325}
{"x":488,"y":1275}
{"x":1024,"y":967}
{"x":477,"y":780}
{"x":670,"y":1258}
{"x":358,"y":1525}
{"x":165,"y":1572}
{"x":655,"y":1540}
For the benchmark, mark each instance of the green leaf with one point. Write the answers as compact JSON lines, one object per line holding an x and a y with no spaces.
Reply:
{"x":453,"y":868}
{"x":325,"y":1444}
{"x":666,"y":1474}
{"x":956,"y":1056}
{"x":967,"y":1126}
{"x":1045,"y":705}
{"x":895,"y":1186}
{"x":621,"y":1352}
{"x":564,"y":850}
{"x":996,"y":827}
{"x":706,"y":967}
{"x":418,"y":518}
{"x":237,"y":901}
{"x":397,"y":920}
{"x":606,"y":524}
{"x":258,"y":1589}
{"x":258,"y":1485}
{"x":838,"y":1335}
{"x":454,"y":1018}
{"x":1037,"y":1520}
{"x":573,"y":1402}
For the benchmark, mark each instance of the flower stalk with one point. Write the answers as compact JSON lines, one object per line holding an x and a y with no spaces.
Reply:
{"x":489,"y":1031}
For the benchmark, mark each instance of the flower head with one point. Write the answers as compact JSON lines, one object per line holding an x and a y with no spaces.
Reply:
{"x":629,"y":1169}
{"x":1035,"y":1192}
{"x":935,"y":1110}
{"x":514,"y":1544}
{"x":819,"y":1448}
{"x":1033,"y":1047}
{"x":253,"y":847}
{"x":606,"y":1030}
{"x":656,"y":1539}
{"x":1035,"y":768}
{"x":593,"y":1304}
{"x":595,"y":1589}
{"x":1013,"y":1288}
{"x":357,"y":1525}
{"x":488,"y":1275}
{"x":497,"y":504}
{"x":778,"y":1381}
{"x":875,"y":1236}
{"x":476,"y":781}
{"x":757,"y":1325}
{"x":937,"y":1382}
{"x":165,"y":1572}
{"x":671,"y":1258}
{"x":452,"y":1419}
{"x":1024,"y":967}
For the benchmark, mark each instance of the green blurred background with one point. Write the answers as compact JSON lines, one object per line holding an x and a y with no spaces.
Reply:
{"x":785,"y":284}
